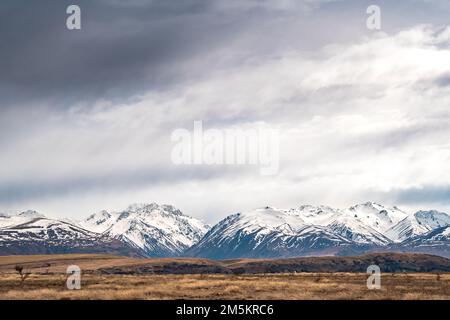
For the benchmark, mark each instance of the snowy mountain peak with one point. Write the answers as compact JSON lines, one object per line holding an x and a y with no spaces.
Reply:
{"x":157,"y":230}
{"x":419,"y":223}
{"x":14,"y":218}
{"x":369,"y":205}
{"x":312,"y":211}
{"x":147,"y":208}
{"x":99,"y":217}
{"x":22,"y":214}
{"x":377,"y":216}
{"x":317,"y":230}
{"x":315,"y":208}
{"x":432,"y":219}
{"x":31,"y":233}
{"x":267,"y":209}
{"x":142,"y":207}
{"x":30,"y":214}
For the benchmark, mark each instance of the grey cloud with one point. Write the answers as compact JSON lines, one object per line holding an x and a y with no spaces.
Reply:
{"x":123,"y":48}
{"x":120,"y":51}
{"x":426,"y":194}
{"x":117,"y":181}
{"x":127,"y":48}
{"x":443,"y":81}
{"x":410,"y":136}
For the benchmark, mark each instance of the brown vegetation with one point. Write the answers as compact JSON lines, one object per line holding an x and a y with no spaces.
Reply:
{"x":108,"y":264}
{"x":273,"y":286}
{"x":111,"y":277}
{"x":23,"y":275}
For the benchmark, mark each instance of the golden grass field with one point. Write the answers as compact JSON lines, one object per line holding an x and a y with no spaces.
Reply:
{"x":274,"y":286}
{"x":47,"y":280}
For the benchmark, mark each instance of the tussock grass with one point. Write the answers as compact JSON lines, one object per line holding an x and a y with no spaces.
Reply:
{"x":269,"y":286}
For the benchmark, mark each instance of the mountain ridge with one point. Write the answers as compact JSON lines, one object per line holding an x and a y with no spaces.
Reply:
{"x":317,"y":231}
{"x":153,"y":230}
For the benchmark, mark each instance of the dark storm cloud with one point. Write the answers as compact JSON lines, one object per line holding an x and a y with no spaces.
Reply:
{"x":122,"y":48}
{"x":130,"y":47}
{"x":74,"y":130}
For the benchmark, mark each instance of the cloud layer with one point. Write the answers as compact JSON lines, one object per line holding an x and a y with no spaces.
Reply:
{"x":87,"y":117}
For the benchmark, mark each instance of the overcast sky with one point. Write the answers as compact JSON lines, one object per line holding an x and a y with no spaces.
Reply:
{"x":86,"y":116}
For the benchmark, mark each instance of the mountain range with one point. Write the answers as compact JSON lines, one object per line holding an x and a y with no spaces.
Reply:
{"x":153,"y":230}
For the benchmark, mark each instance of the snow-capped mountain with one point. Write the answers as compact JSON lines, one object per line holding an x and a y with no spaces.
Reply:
{"x":152,"y":230}
{"x":438,"y":236}
{"x":360,"y":224}
{"x":156,"y":230}
{"x":265,"y":232}
{"x":419,"y":223}
{"x":377,"y":216}
{"x":311,"y":230}
{"x":436,"y":241}
{"x":18,"y":217}
{"x":31,"y":233}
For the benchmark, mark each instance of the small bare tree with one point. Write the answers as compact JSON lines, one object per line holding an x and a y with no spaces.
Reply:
{"x":23,"y":275}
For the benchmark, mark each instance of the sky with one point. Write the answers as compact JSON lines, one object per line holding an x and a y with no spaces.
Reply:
{"x":86,"y":116}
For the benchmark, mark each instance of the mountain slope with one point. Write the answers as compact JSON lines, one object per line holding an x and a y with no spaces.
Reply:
{"x":376,"y":216}
{"x":14,"y":218}
{"x":419,"y":223}
{"x":436,"y":241}
{"x":363,"y":223}
{"x":156,"y":230}
{"x":269,"y":232}
{"x":152,"y":230}
{"x":311,"y":230}
{"x":39,"y":235}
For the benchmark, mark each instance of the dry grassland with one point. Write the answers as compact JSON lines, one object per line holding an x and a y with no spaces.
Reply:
{"x":269,"y":286}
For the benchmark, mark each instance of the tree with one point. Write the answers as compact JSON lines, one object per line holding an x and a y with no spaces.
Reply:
{"x":23,"y":275}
